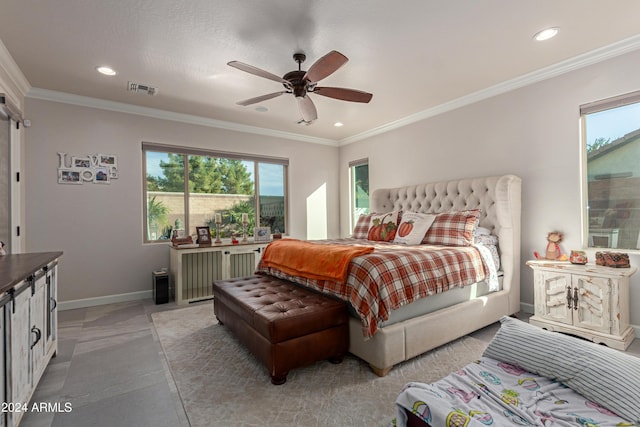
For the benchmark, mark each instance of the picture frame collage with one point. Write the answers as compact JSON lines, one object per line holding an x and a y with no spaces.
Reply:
{"x":94,"y":168}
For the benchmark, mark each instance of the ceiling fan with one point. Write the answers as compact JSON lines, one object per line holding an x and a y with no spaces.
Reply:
{"x":301,"y":83}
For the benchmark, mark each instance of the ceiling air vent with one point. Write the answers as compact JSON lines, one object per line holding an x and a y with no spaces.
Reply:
{"x":140,"y":88}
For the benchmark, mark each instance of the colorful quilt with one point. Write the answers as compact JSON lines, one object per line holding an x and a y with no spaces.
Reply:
{"x":394,"y":275}
{"x":490,"y":392}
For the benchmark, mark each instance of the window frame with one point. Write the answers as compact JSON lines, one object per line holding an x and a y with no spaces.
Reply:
{"x":585,"y":110}
{"x":352,"y":187}
{"x":191,"y":151}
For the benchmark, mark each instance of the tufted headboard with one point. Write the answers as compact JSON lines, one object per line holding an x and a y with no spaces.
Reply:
{"x":497,"y":196}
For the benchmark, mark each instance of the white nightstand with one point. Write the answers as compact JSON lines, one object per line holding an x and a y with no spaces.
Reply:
{"x":589,"y":301}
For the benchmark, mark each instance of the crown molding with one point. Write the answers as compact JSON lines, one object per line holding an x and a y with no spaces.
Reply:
{"x":15,"y":84}
{"x":121,"y":107}
{"x":563,"y":67}
{"x":593,"y":57}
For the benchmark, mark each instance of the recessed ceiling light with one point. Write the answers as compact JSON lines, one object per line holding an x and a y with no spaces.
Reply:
{"x":546,"y":34}
{"x":338,"y":124}
{"x":107,"y":71}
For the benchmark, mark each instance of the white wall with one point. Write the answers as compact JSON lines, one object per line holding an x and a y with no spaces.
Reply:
{"x":99,"y":227}
{"x":532,"y":132}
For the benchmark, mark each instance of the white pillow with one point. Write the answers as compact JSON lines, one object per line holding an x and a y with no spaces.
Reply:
{"x":413,"y":227}
{"x":382,"y":227}
{"x":481,"y":231}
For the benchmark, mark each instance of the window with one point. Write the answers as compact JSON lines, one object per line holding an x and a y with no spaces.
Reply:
{"x":185,"y":188}
{"x":359,"y":171}
{"x":611,"y":138}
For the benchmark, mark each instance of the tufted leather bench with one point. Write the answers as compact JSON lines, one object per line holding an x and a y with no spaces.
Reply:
{"x":284,"y":325}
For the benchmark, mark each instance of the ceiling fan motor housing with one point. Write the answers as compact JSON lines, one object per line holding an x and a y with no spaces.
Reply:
{"x":296,"y":80}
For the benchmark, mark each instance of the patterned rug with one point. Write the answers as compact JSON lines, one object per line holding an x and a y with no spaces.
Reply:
{"x":221,"y":384}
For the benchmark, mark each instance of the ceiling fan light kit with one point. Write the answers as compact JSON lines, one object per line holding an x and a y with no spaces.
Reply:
{"x":301,"y":83}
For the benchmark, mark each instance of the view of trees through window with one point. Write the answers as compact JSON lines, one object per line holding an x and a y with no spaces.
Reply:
{"x":359,"y":188}
{"x":185,"y":191}
{"x":612,"y":143}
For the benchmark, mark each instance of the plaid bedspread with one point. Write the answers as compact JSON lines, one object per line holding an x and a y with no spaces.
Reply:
{"x":395,"y":275}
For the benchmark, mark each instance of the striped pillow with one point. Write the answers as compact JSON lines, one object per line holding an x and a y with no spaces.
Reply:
{"x":453,"y":228}
{"x":604,"y":375}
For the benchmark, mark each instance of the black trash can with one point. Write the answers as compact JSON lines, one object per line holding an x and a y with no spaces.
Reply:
{"x":160,"y":287}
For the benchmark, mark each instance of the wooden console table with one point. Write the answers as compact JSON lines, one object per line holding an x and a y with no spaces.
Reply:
{"x":193,"y":269}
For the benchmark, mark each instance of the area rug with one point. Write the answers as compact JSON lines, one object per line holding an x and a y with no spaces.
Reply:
{"x":221,"y":384}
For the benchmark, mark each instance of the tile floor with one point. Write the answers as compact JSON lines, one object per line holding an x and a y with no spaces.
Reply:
{"x":111,"y":369}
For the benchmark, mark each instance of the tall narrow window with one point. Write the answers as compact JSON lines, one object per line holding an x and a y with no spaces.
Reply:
{"x":187,"y":188}
{"x":611,"y":139}
{"x":359,"y":172}
{"x":271,"y":196}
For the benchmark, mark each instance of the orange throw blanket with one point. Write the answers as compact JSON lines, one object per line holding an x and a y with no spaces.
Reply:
{"x":312,"y":260}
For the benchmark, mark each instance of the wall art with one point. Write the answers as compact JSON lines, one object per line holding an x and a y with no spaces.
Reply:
{"x":95,"y":168}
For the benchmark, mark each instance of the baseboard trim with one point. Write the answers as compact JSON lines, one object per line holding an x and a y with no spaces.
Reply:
{"x":108,"y":299}
{"x":526,"y":308}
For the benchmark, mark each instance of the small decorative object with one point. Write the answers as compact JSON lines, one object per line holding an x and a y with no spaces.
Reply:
{"x":276,"y":235}
{"x":553,"y":251}
{"x":2,"y":251}
{"x":234,"y":241}
{"x":179,"y":241}
{"x":218,"y":223}
{"x":613,"y":259}
{"x":578,"y":257}
{"x":262,"y":234}
{"x":245,"y":221}
{"x":204,"y":236}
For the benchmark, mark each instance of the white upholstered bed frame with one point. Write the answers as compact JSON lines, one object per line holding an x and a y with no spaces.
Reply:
{"x":499,"y":199}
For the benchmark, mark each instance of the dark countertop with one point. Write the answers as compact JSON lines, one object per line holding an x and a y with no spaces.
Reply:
{"x":16,"y":267}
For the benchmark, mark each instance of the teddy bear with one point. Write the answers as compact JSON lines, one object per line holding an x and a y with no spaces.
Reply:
{"x":553,"y":251}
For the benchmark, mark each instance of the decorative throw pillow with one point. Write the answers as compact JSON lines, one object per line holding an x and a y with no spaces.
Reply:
{"x":413,"y":227}
{"x":453,"y":228}
{"x":383,"y":226}
{"x":361,"y":230}
{"x":601,"y":374}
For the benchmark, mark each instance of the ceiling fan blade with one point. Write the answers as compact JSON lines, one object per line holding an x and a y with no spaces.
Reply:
{"x":260,"y":98}
{"x":258,"y":72}
{"x":344,"y":94}
{"x":307,"y":108}
{"x":325,"y":66}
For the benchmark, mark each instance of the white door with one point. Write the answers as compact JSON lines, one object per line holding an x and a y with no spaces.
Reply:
{"x":20,"y":352}
{"x":594,"y":296}
{"x":551,"y":296}
{"x":38,"y":328}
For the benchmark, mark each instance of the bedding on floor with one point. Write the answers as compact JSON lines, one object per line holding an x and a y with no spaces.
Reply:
{"x":490,"y":392}
{"x":531,"y":377}
{"x":394,"y":275}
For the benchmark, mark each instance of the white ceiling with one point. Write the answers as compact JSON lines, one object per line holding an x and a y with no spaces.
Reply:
{"x":415,"y":56}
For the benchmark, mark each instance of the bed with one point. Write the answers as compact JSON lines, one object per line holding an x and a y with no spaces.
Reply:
{"x":410,"y":329}
{"x":529,"y":376}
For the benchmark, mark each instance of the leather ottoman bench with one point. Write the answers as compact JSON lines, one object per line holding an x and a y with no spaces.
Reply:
{"x":284,"y":325}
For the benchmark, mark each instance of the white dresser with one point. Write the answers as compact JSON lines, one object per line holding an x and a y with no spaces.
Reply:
{"x":589,"y":301}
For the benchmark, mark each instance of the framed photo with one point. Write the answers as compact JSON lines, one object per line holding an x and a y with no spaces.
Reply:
{"x":80,"y":162}
{"x":204,"y":236}
{"x":108,"y":160}
{"x":262,"y":234}
{"x":69,"y":176}
{"x":102,"y":175}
